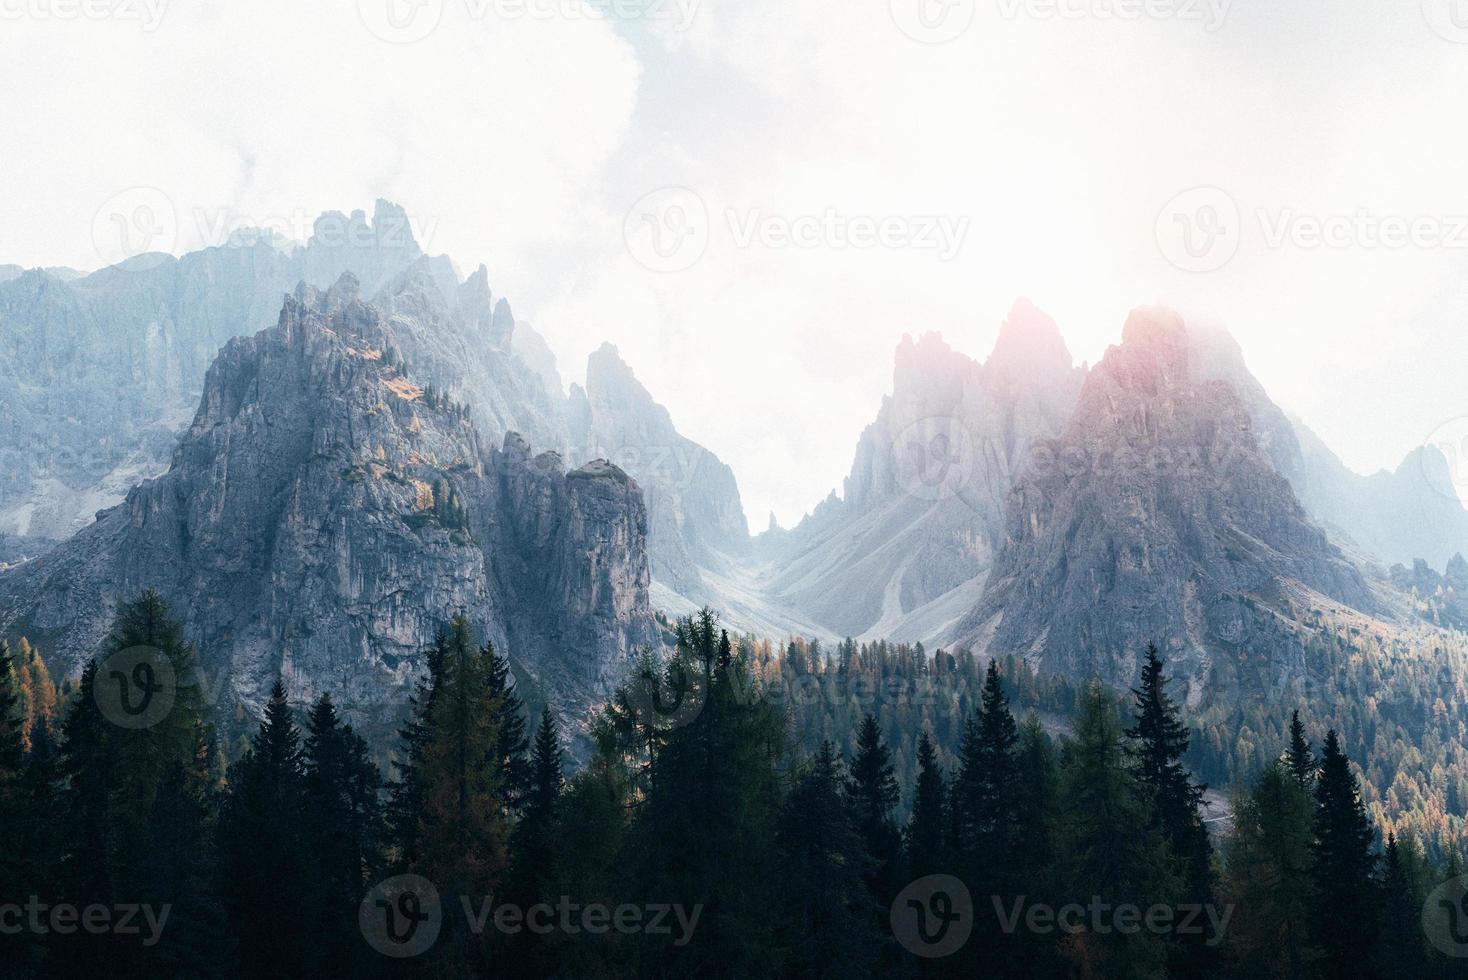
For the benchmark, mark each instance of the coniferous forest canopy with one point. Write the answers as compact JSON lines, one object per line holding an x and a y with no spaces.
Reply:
{"x":739,"y":810}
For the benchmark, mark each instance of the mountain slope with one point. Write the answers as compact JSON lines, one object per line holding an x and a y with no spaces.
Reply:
{"x":1158,"y":515}
{"x":906,"y":548}
{"x":697,"y":529}
{"x":323,"y":517}
{"x":98,"y":374}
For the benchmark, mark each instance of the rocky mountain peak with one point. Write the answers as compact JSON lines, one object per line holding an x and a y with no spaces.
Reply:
{"x":322,"y":518}
{"x":1029,"y":343}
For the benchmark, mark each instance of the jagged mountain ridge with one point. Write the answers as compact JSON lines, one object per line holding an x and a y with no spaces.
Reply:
{"x":1158,"y":515}
{"x":906,"y":549}
{"x":322,"y":519}
{"x":100,"y":373}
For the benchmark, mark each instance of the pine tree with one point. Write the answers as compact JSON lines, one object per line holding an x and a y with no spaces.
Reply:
{"x":261,"y":840}
{"x":1159,"y":741}
{"x":925,"y":830}
{"x":1402,"y":954}
{"x":462,"y":827}
{"x":826,"y":925}
{"x":1344,"y":916}
{"x":12,"y":768}
{"x":534,"y":851}
{"x":546,"y":777}
{"x":1298,"y":757}
{"x":405,"y":798}
{"x":1036,"y":800}
{"x":706,"y":831}
{"x":1107,"y":848}
{"x":1269,"y":865}
{"x":342,"y":826}
{"x":512,"y":746}
{"x":872,"y":792}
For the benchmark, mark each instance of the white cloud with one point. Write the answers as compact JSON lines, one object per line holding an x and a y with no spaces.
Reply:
{"x":525,"y":140}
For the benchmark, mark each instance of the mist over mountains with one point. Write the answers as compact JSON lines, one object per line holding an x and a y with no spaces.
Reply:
{"x":320,"y":481}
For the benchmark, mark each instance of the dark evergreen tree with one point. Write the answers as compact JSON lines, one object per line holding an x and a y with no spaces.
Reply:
{"x":1106,"y":845}
{"x":1268,"y":883}
{"x":873,"y":794}
{"x":533,"y":852}
{"x":925,"y":830}
{"x":513,"y":745}
{"x":343,"y":831}
{"x":1298,"y":757}
{"x":12,"y":768}
{"x":706,"y":832}
{"x":827,"y":911}
{"x":1402,"y":955}
{"x":1344,"y":915}
{"x":265,"y":867}
{"x":463,"y":826}
{"x":405,"y":799}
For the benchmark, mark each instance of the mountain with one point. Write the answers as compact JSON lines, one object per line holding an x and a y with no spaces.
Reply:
{"x":103,"y":373}
{"x":1393,"y":517}
{"x":326,"y":512}
{"x":99,"y":373}
{"x":696,"y":519}
{"x":1160,"y":514}
{"x":1397,"y":516}
{"x":906,"y":548}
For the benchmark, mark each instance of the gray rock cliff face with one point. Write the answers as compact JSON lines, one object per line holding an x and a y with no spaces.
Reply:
{"x":100,"y":373}
{"x":1158,"y":515}
{"x":322,"y":518}
{"x":906,"y":548}
{"x":696,"y":519}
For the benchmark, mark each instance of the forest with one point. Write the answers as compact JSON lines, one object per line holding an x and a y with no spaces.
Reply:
{"x":732,"y":811}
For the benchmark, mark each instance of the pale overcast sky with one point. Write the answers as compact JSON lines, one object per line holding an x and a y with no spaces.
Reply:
{"x":821,"y":175}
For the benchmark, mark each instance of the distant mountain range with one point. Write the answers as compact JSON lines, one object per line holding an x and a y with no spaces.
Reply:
{"x":397,"y":449}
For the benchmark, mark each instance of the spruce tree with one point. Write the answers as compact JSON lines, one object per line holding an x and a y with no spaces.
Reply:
{"x":513,"y":746}
{"x":827,"y":912}
{"x":1269,"y":862}
{"x":462,"y":827}
{"x":533,"y":849}
{"x":1344,"y":918}
{"x":1402,"y":954}
{"x":343,"y":831}
{"x":705,"y":833}
{"x":261,"y":841}
{"x":872,"y":791}
{"x":1107,"y":848}
{"x":405,"y":797}
{"x":925,"y":830}
{"x":12,"y":769}
{"x":1298,"y":757}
